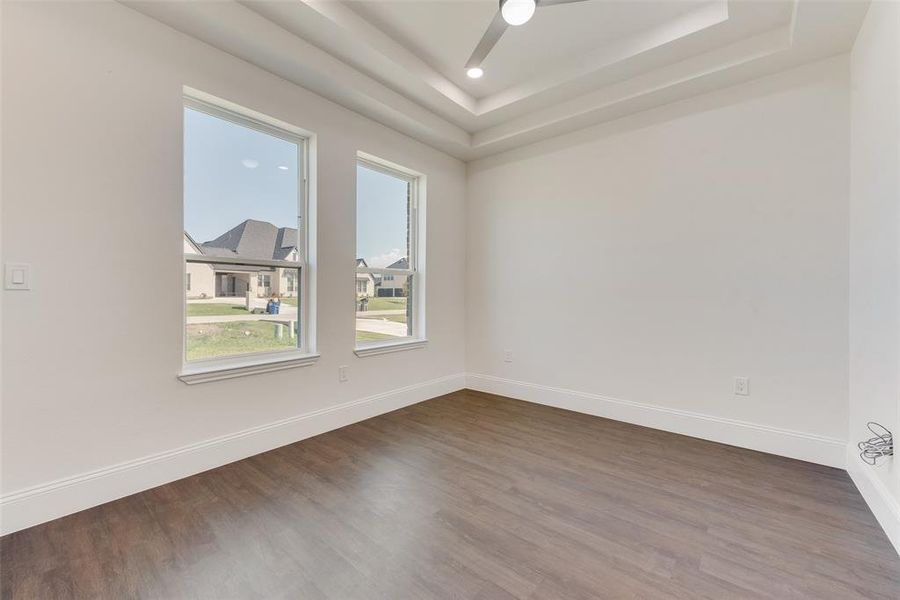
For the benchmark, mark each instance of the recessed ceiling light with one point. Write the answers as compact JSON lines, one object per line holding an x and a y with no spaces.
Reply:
{"x":475,"y":72}
{"x":250,"y":163}
{"x":282,"y":167}
{"x":517,"y":12}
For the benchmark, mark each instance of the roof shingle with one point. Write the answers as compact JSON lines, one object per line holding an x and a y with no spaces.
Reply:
{"x":253,"y":239}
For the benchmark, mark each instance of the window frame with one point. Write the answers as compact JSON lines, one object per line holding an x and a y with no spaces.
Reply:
{"x":200,"y":371}
{"x":416,"y":273}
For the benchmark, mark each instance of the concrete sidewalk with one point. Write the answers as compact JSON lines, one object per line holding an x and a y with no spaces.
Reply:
{"x":382,"y":326}
{"x":284,"y":316}
{"x":379,"y":313}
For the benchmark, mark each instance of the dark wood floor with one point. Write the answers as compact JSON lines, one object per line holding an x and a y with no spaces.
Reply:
{"x":473,"y":496}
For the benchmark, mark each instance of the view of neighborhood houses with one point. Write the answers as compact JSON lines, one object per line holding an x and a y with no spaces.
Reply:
{"x":382,"y":241}
{"x":239,"y":309}
{"x":241,"y":201}
{"x":382,"y":304}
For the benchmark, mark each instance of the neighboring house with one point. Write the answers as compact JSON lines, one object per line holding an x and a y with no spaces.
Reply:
{"x":200,"y":279}
{"x":365,"y":282}
{"x":250,"y":239}
{"x":394,"y":285}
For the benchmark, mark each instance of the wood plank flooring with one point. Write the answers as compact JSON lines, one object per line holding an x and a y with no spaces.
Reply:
{"x":473,"y":496}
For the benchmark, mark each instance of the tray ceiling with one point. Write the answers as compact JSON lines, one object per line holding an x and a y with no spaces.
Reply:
{"x":558,"y":37}
{"x":573,"y":65}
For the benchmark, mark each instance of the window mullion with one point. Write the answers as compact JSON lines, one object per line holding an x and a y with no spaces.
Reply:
{"x":380,"y":271}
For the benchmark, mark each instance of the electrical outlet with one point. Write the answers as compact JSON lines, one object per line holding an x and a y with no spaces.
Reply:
{"x":507,"y":356}
{"x":342,"y":373}
{"x":741,"y":386}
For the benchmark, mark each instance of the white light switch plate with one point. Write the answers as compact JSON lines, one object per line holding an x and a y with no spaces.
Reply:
{"x":17,"y":276}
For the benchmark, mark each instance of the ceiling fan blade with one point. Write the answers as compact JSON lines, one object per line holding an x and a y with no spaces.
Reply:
{"x":488,"y":40}
{"x":541,"y":3}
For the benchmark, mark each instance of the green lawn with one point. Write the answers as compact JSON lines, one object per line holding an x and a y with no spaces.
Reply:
{"x":214,"y":310}
{"x":212,"y":340}
{"x":290,"y":301}
{"x":370,"y":336}
{"x":387,"y":304}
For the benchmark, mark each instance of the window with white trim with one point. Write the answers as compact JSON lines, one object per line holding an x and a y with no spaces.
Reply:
{"x":389,"y":250}
{"x":245,"y":239}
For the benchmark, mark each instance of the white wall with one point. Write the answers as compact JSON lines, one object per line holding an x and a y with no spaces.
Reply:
{"x":635,"y":268}
{"x":875,"y":253}
{"x":92,"y":109}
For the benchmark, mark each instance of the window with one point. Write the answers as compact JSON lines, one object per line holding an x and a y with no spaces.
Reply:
{"x":390,"y":254}
{"x":245,"y":242}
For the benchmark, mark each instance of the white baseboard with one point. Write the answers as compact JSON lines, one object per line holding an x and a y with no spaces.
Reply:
{"x":51,"y":500}
{"x":55,"y":499}
{"x":784,"y":442}
{"x":883,"y":504}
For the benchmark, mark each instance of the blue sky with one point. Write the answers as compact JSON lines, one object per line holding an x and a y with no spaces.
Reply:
{"x":381,"y":217}
{"x":233,"y":173}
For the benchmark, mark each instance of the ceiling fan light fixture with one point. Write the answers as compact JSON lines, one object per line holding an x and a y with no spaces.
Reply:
{"x":517,"y":12}
{"x":475,"y":72}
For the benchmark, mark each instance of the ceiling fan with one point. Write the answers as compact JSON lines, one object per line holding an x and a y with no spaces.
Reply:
{"x":512,"y":12}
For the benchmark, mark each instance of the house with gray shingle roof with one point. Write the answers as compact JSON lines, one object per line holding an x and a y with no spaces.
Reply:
{"x":250,"y":239}
{"x":394,"y":285}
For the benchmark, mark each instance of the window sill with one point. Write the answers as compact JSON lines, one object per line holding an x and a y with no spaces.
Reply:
{"x":386,"y":348}
{"x":216,"y":372}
